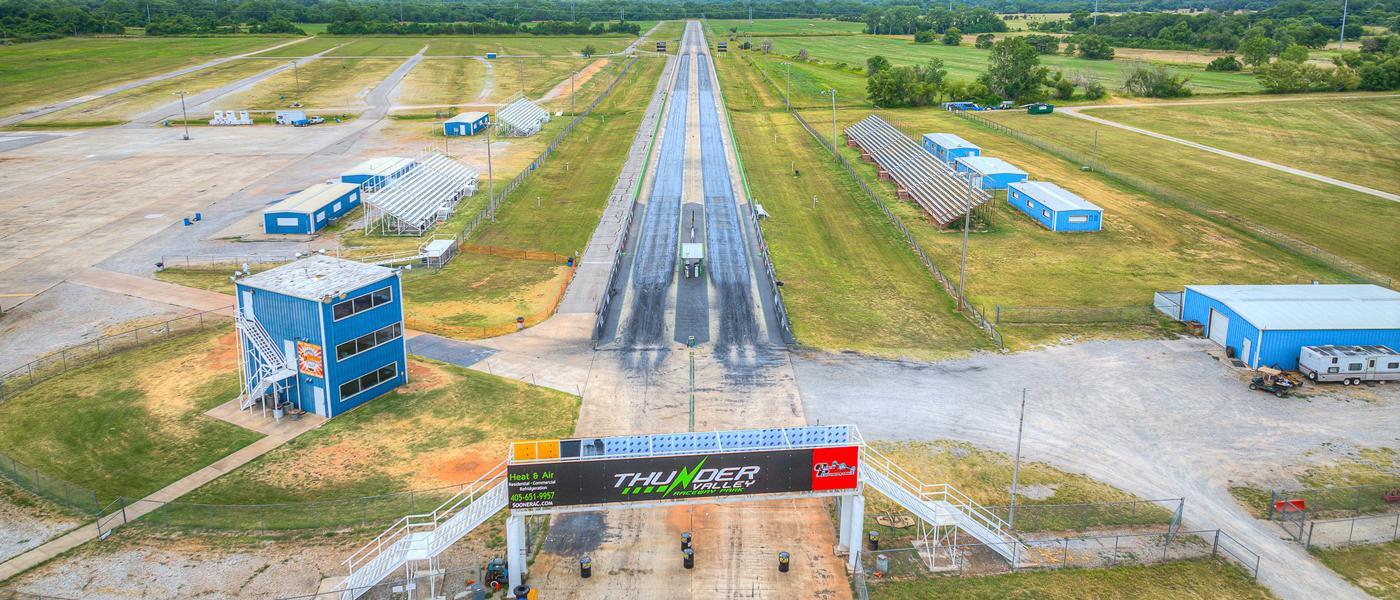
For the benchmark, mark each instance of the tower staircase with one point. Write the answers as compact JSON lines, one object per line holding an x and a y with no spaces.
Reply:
{"x":424,"y":536}
{"x":270,"y":366}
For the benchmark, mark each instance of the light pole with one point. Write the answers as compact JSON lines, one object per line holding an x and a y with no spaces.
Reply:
{"x":490,"y":179}
{"x":1016,"y":466}
{"x":787,"y":86}
{"x":832,"y":92}
{"x":962,"y":270}
{"x":571,"y":92}
{"x":296,"y":74}
{"x":184,"y":116}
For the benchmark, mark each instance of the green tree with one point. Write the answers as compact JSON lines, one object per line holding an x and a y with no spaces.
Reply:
{"x":588,"y":51}
{"x":1095,"y":48}
{"x":875,"y":64}
{"x":985,"y":41}
{"x":1256,"y":49}
{"x":1014,"y":72}
{"x":924,"y":36}
{"x":1225,"y":63}
{"x":1154,"y":81}
{"x":1296,"y":53}
{"x":952,"y":37}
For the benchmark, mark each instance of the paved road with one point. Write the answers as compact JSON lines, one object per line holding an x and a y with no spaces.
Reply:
{"x":1075,"y":112}
{"x":39,"y":112}
{"x":1155,"y":418}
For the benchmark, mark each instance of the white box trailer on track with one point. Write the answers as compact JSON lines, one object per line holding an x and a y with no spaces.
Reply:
{"x":1349,"y":364}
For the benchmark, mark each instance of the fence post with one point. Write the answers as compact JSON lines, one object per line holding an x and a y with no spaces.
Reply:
{"x":364,"y":514}
{"x":1115,"y":550}
{"x":1215,"y":545}
{"x":1308,"y":544}
{"x":1358,"y":501}
{"x":1350,"y":532}
{"x":1272,"y":500}
{"x":1064,"y":561}
{"x":38,"y":485}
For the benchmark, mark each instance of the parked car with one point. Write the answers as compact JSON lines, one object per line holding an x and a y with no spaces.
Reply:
{"x":1350,"y":365}
{"x":316,"y":121}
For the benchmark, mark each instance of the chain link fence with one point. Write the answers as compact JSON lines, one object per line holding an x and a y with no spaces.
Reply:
{"x":1340,"y":502}
{"x":1361,"y":273}
{"x":35,"y":371}
{"x":1073,"y":315}
{"x":41,"y":484}
{"x":1373,"y":529}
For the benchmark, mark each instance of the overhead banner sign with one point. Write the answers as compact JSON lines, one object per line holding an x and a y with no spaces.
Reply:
{"x":684,"y":477}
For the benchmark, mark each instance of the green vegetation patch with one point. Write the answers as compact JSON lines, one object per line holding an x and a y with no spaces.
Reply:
{"x":214,"y":279}
{"x":476,"y":294}
{"x":850,"y":282}
{"x":1204,"y":579}
{"x":131,"y":423}
{"x":1298,"y":207}
{"x":40,"y":73}
{"x":1355,"y":140}
{"x":781,"y":27}
{"x":446,"y":427}
{"x":1373,"y":568}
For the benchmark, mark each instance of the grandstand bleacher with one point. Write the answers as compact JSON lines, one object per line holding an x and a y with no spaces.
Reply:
{"x":945,"y":195}
{"x":415,"y":201}
{"x":521,"y":118}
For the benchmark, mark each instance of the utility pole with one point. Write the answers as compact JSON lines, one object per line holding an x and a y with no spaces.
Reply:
{"x":184,"y":116}
{"x":490,"y":177}
{"x":1094,"y":155}
{"x":400,"y":11}
{"x":1342,"y":37}
{"x":832,"y":92}
{"x":571,"y":92}
{"x":1096,"y":12}
{"x":750,"y":15}
{"x":297,"y":75}
{"x":1016,"y":467}
{"x":787,"y":86}
{"x":962,"y":270}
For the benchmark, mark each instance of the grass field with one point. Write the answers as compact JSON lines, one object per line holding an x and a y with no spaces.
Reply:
{"x":124,"y":106}
{"x":1295,"y":206}
{"x":849,"y":281}
{"x":1361,"y":136}
{"x":669,"y":30}
{"x":1374,"y":568}
{"x":306,"y":48}
{"x":445,"y":81}
{"x":1022,"y":21}
{"x":967,"y":62}
{"x":985,"y":477}
{"x":460,"y":81}
{"x":129,"y":424}
{"x":783,"y":27}
{"x":806,"y":80}
{"x":323,"y":84}
{"x":1145,"y":246}
{"x":1202,"y":579}
{"x":40,"y":73}
{"x":475,"y":293}
{"x":447,"y":426}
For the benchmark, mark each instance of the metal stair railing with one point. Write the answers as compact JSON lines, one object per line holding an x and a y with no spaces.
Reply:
{"x":272,"y":366}
{"x":923,"y":500}
{"x":388,"y":551}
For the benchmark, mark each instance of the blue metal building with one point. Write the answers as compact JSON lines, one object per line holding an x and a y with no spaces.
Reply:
{"x":949,"y":147}
{"x":322,"y":334}
{"x":1057,"y":208}
{"x":309,"y":210}
{"x":376,"y":172}
{"x":1267,"y":325}
{"x":467,"y":123}
{"x":992,"y":173}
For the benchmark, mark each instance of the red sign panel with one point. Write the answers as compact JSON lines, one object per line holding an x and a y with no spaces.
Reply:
{"x":835,"y":468}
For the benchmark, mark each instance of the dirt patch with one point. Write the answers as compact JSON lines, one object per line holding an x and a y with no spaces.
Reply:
{"x":1036,"y":492}
{"x":464,"y":465}
{"x":583,"y":76}
{"x":169,"y":387}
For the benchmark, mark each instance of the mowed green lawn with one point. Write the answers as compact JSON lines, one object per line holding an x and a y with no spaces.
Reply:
{"x":783,"y":27}
{"x":1197,"y":579}
{"x":1347,"y":223}
{"x":966,"y":62}
{"x":40,"y":73}
{"x":850,"y":282}
{"x":1145,"y":246}
{"x":131,"y":423}
{"x":526,"y":45}
{"x":1375,"y":568}
{"x":1355,"y":140}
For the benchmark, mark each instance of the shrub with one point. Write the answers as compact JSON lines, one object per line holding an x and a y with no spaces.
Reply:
{"x":1043,"y":44}
{"x":925,"y":36}
{"x":952,"y":37}
{"x":1095,"y":48}
{"x":1155,"y":82}
{"x":1294,"y":54}
{"x":1225,"y":63}
{"x":1094,"y":90}
{"x":985,"y":41}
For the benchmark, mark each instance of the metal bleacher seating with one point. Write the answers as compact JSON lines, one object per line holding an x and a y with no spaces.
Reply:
{"x":943,"y":194}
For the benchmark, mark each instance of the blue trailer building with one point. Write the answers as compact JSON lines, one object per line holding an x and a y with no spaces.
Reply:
{"x":990,"y":173}
{"x":375,"y":172}
{"x":467,"y":123}
{"x":1057,"y":208}
{"x":1267,"y":325}
{"x":949,"y":147}
{"x":321,"y":334}
{"x":307,"y":211}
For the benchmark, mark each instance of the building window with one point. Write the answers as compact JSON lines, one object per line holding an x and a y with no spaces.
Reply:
{"x":1045,"y":213}
{"x":287,"y":222}
{"x":1079,"y":218}
{"x":368,"y":380}
{"x":384,"y":335}
{"x":1354,"y":367}
{"x":335,"y":207}
{"x":320,"y":217}
{"x":361,"y":304}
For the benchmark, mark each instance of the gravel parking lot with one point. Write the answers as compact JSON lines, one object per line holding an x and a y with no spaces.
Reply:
{"x":1155,"y":418}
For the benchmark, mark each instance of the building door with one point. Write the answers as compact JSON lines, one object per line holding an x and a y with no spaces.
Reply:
{"x":1244,"y":352}
{"x":319,"y":394}
{"x":248,"y":303}
{"x":1219,"y":325}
